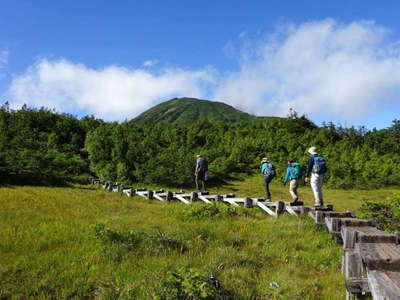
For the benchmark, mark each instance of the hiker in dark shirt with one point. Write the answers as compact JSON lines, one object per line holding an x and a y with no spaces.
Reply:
{"x":201,"y":172}
{"x":267,"y":169}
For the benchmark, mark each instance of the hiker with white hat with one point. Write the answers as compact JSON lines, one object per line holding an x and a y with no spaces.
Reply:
{"x":316,"y":169}
{"x":268,"y":170}
{"x":200,"y":172}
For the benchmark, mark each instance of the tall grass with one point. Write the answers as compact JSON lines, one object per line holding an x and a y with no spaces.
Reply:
{"x":83,"y":242}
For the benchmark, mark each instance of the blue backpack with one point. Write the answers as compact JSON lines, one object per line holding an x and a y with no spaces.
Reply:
{"x":296,"y":171}
{"x":319,"y":165}
{"x":268,"y":170}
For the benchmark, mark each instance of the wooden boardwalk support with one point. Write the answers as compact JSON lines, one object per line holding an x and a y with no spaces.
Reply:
{"x":128,"y":191}
{"x":290,"y":208}
{"x":182,"y":198}
{"x":272,"y":208}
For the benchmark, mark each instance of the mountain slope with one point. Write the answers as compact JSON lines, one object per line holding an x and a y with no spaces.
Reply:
{"x":187,"y":110}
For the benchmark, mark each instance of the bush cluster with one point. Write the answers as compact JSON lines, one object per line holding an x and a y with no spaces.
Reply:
{"x":190,"y":284}
{"x":386,"y":214}
{"x":39,"y":146}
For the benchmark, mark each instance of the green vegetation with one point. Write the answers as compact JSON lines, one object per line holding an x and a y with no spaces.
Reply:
{"x":165,"y":154}
{"x":386,"y":215}
{"x":38,"y":146}
{"x":82,"y":242}
{"x":188,"y":110}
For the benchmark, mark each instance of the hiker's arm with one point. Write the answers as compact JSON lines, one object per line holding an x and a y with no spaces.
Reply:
{"x":287,"y":175}
{"x":310,"y":165}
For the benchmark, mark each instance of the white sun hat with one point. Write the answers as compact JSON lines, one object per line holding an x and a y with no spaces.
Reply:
{"x":313,"y":150}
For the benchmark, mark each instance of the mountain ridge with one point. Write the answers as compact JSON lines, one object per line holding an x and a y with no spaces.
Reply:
{"x":187,"y":110}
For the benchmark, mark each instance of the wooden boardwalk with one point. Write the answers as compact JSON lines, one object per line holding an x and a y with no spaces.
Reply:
{"x":371,"y":257}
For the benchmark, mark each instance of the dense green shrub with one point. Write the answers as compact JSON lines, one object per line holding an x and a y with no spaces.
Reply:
{"x":164,"y":154}
{"x":39,"y":146}
{"x":386,"y":215}
{"x":190,"y":284}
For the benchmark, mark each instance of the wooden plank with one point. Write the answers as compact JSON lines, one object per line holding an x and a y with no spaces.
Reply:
{"x":230,"y":201}
{"x":182,"y":199}
{"x":266,"y":209}
{"x":352,"y":264}
{"x":384,"y":285}
{"x":380,"y":256}
{"x":333,"y":222}
{"x":128,"y":192}
{"x":236,"y":200}
{"x":303,"y":209}
{"x":141,"y":193}
{"x":290,"y":210}
{"x":364,"y":234}
{"x":159,"y":197}
{"x":202,"y":198}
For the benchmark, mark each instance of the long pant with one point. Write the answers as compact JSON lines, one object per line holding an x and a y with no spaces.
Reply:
{"x":293,"y":185}
{"x":267,"y":193}
{"x":199,"y":177}
{"x":316,"y":182}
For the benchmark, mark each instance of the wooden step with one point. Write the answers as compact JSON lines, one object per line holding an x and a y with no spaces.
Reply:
{"x":384,"y":285}
{"x":364,"y":234}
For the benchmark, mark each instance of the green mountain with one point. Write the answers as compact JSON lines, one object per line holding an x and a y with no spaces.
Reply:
{"x":187,"y":110}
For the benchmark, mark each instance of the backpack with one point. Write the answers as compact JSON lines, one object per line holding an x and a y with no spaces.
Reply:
{"x":269,"y":170}
{"x":319,"y":166}
{"x":202,"y":164}
{"x":296,"y":171}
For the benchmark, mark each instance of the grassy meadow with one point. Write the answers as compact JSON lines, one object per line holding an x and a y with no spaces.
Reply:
{"x":85,"y":243}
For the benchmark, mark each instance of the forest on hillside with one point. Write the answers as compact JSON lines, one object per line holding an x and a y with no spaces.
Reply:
{"x":40,"y":146}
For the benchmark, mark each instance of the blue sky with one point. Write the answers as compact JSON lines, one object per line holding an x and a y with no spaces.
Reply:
{"x":332,"y":60}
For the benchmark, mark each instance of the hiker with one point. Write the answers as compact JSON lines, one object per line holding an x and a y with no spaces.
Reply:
{"x":201,"y":172}
{"x":268,"y":170}
{"x":293,"y":175}
{"x":316,"y":169}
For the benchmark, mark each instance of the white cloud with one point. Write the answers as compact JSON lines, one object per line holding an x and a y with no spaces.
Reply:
{"x":113,"y":93}
{"x":150,"y":63}
{"x":324,"y":68}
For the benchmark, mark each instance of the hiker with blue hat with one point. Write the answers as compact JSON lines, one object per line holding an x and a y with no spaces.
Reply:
{"x":268,"y":170}
{"x":316,"y":170}
{"x":293,"y":175}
